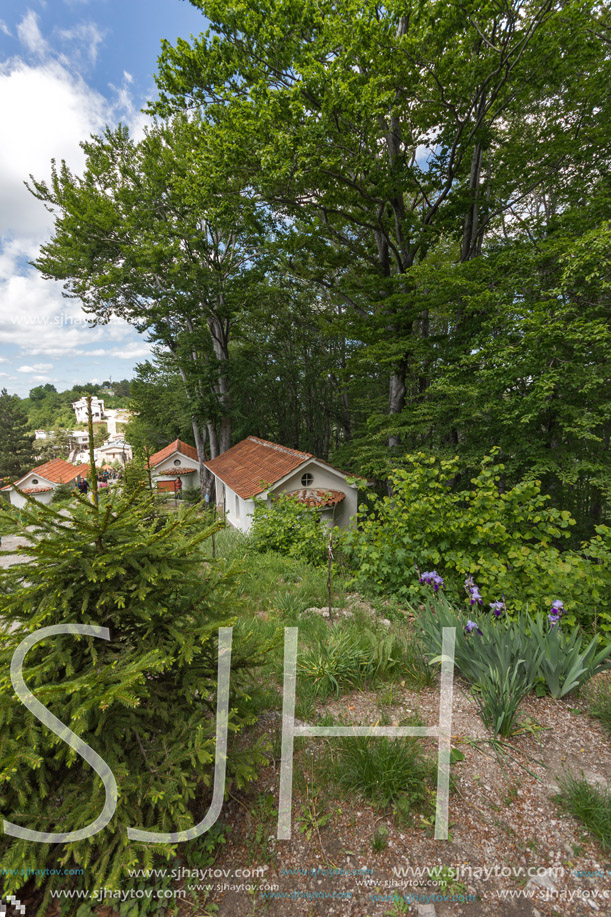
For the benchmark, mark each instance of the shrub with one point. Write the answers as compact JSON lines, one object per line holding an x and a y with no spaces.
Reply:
{"x":507,"y":540}
{"x":63,"y":493}
{"x":288,"y":527}
{"x":144,"y":699}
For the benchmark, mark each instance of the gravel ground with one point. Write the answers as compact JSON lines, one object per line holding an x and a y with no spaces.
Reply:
{"x":526,"y":857}
{"x":8,"y":555}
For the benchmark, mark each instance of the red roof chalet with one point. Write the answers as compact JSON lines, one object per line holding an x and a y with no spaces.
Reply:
{"x":58,"y":471}
{"x":167,"y":451}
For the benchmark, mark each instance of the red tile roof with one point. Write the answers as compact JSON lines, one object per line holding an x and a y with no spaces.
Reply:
{"x":172,"y":471}
{"x":176,"y":446}
{"x":317,"y":498}
{"x":58,"y":471}
{"x":36,"y":490}
{"x":252,"y":465}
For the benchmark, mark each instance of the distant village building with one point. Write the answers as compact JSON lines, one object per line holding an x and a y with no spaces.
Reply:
{"x":256,"y":469}
{"x":43,"y":480}
{"x":115,"y":450}
{"x":176,"y":460}
{"x":97,"y":410}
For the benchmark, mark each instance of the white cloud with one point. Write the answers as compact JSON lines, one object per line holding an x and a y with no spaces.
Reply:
{"x":4,"y":28}
{"x":37,"y":368}
{"x":46,"y":110}
{"x":61,"y":111}
{"x":30,"y":35}
{"x":85,"y":39}
{"x":132,"y":351}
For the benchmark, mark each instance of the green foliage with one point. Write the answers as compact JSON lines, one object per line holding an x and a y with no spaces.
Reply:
{"x":144,"y":699}
{"x":16,"y":443}
{"x":599,"y":702}
{"x":384,"y":771}
{"x":288,"y":527}
{"x":379,"y":841}
{"x":507,"y":539}
{"x":565,"y":663}
{"x":499,"y":694}
{"x":136,"y":476}
{"x":591,"y":805}
{"x":63,"y":493}
{"x":514,"y":654}
{"x":348,"y":656}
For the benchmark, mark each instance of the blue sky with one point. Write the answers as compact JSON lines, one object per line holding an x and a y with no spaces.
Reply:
{"x":67,"y":67}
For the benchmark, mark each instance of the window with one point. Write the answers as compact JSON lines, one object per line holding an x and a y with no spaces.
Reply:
{"x":34,"y":480}
{"x":177,"y":461}
{"x":307,"y":479}
{"x":237,"y":506}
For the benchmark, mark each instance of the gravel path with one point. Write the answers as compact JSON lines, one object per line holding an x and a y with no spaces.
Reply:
{"x":8,"y":555}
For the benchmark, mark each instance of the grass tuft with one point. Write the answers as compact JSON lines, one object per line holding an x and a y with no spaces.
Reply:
{"x":591,"y":805}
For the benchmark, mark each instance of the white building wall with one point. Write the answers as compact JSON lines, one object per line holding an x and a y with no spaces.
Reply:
{"x":189,"y":481}
{"x":238,"y":511}
{"x":324,"y":478}
{"x":19,"y":500}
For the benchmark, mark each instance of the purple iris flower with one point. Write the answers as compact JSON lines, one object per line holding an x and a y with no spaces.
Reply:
{"x":433,"y":579}
{"x":475,"y":597}
{"x":558,"y":608}
{"x":471,"y":626}
{"x":553,"y":620}
{"x":497,"y":608}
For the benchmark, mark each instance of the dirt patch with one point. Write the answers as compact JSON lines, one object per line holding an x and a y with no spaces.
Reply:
{"x":507,"y":835}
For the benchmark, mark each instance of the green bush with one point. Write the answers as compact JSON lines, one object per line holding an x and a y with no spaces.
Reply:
{"x":509,"y":541}
{"x":499,"y":696}
{"x":63,"y":493}
{"x":288,"y":527}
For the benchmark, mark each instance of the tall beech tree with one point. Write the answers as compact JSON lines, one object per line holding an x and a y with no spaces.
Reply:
{"x":149,"y":233}
{"x":379,"y":130}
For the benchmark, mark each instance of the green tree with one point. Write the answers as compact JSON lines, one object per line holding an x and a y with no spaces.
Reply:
{"x":380,"y":132}
{"x":16,"y":442}
{"x":144,"y":699}
{"x":150,"y":233}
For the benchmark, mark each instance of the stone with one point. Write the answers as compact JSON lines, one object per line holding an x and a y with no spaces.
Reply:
{"x":426,"y":910}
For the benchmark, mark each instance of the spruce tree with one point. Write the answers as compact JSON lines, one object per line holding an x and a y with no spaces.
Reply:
{"x":144,"y":700}
{"x":16,"y":443}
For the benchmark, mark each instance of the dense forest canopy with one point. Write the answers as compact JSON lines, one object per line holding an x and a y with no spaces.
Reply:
{"x":365,"y":230}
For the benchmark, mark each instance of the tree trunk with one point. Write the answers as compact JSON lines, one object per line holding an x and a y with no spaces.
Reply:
{"x":206,"y":478}
{"x":396,"y":399}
